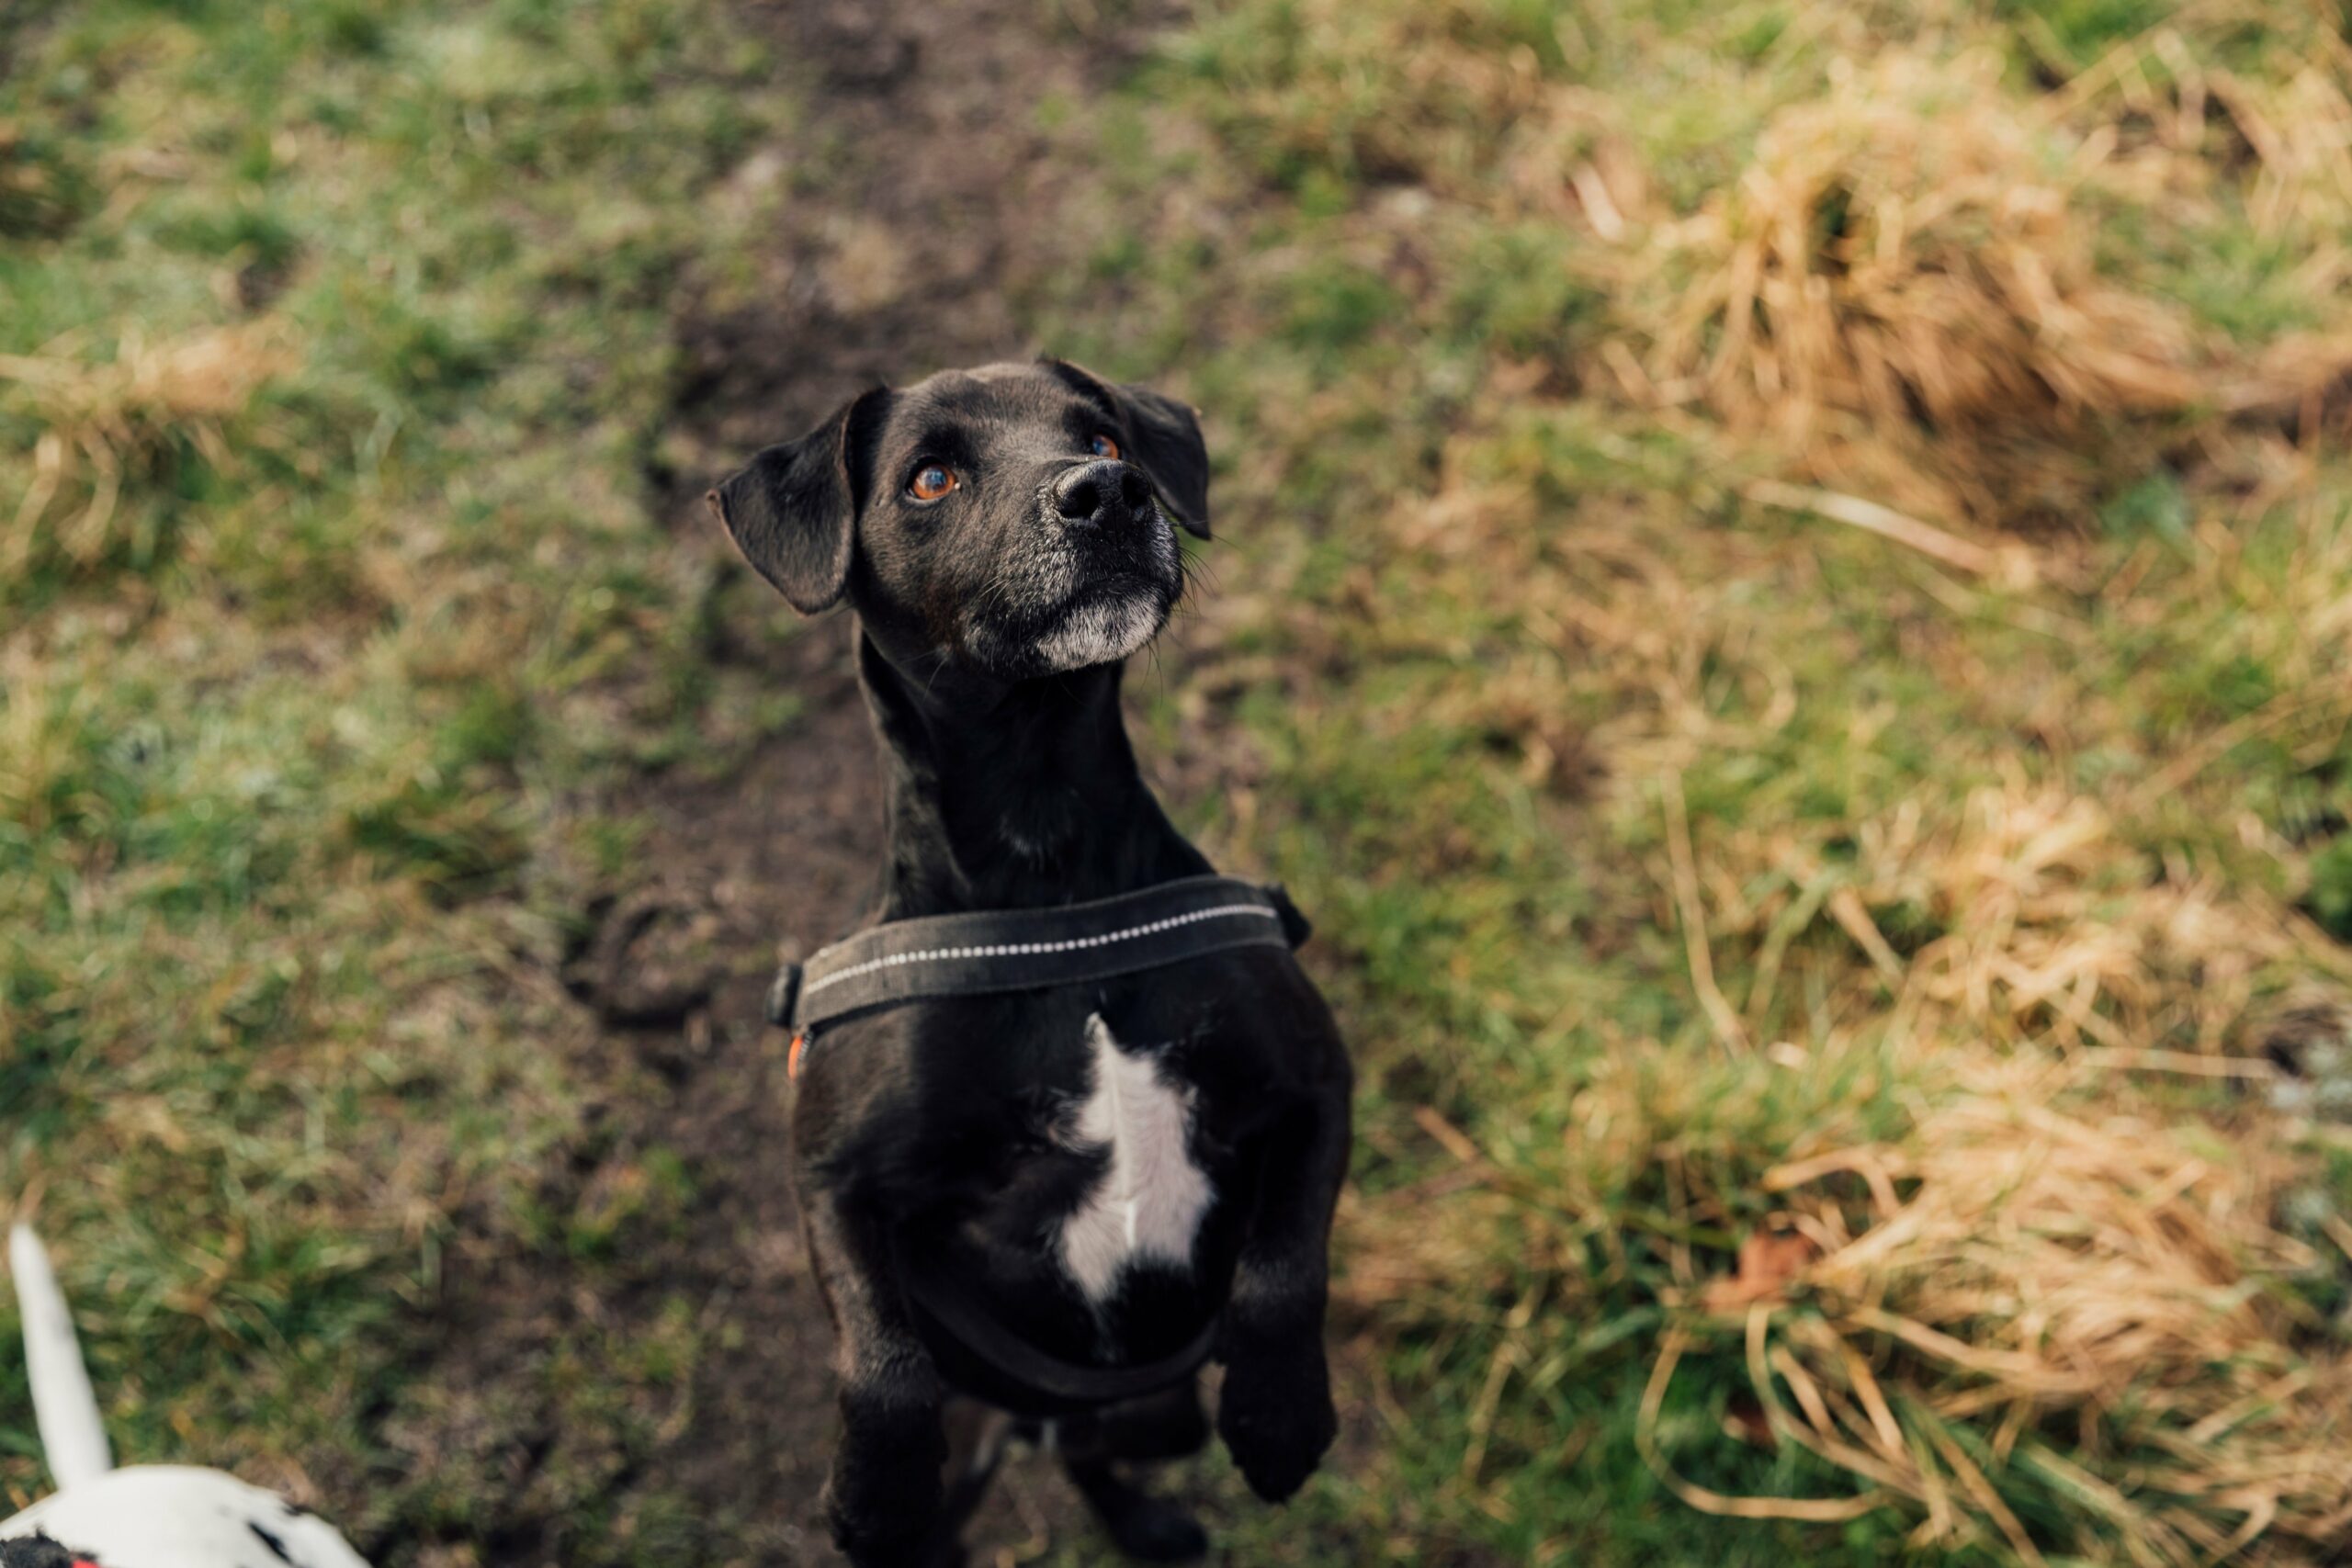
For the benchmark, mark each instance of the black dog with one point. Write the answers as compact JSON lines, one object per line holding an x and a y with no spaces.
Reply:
{"x":1092,"y":1175}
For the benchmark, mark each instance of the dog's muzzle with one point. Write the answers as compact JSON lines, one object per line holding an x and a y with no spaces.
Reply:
{"x":1105,"y":494}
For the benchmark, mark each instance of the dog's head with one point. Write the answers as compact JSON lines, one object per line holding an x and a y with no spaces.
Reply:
{"x":1017,"y":519}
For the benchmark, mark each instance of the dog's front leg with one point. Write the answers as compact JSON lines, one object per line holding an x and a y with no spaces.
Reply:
{"x":883,"y":1498}
{"x":1275,"y":1412}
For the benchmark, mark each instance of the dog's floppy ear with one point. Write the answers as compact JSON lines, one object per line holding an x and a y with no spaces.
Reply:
{"x":1164,"y":441}
{"x":793,"y":509}
{"x":1167,"y":445}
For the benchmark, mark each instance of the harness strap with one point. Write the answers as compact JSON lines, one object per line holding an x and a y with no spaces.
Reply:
{"x":1023,"y":1362}
{"x":1021,"y":950}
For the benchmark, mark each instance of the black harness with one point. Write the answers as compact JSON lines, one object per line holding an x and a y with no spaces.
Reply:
{"x":1025,"y":949}
{"x":1005,"y":1370}
{"x":1029,"y":950}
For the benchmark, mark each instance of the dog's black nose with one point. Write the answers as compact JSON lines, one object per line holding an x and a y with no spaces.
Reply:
{"x":1104,"y":493}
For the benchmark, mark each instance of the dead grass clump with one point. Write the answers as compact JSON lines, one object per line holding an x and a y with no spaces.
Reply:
{"x":2023,"y":917}
{"x":108,"y":423}
{"x":1909,"y":262}
{"x":2050,"y":930}
{"x":2037,"y":1315}
{"x":1904,"y":291}
{"x":2044,"y":1327}
{"x":2298,"y":127}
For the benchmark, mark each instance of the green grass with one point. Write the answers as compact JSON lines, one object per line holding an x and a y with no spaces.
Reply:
{"x":281,"y":842}
{"x":1499,"y":607}
{"x":303,"y":727}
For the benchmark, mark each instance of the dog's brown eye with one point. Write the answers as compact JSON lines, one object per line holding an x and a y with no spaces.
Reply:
{"x":931,"y":482}
{"x":1103,"y":446}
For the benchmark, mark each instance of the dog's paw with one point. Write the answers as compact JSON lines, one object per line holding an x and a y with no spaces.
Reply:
{"x":1155,"y":1530}
{"x":1169,"y":1425}
{"x":1277,"y":1420}
{"x":883,"y":1498}
{"x":872,"y":1539}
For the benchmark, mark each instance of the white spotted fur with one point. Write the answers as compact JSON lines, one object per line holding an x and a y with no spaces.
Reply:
{"x":148,"y":1516}
{"x":1152,"y":1197}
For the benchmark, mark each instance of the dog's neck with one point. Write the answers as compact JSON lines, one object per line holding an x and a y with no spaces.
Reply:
{"x":1014,"y":795}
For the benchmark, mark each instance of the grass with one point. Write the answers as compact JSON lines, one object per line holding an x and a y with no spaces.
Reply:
{"x":331,"y":581}
{"x":1857,"y":940}
{"x":1852,"y":1013}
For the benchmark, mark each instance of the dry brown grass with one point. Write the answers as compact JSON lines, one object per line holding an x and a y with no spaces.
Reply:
{"x":2019,"y":1266}
{"x":2040,"y":1251}
{"x":1906,"y":259}
{"x":1903,"y":292}
{"x":1907,"y":293}
{"x":2053,"y":1312}
{"x":2055,"y":932}
{"x":103,"y":422}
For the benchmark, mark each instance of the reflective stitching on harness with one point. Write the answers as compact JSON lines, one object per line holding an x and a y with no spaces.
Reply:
{"x":1018,"y":949}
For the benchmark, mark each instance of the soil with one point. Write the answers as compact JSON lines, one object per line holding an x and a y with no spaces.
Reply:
{"x":920,"y":194}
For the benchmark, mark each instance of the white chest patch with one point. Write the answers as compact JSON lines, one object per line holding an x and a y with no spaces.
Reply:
{"x":1149,"y":1203}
